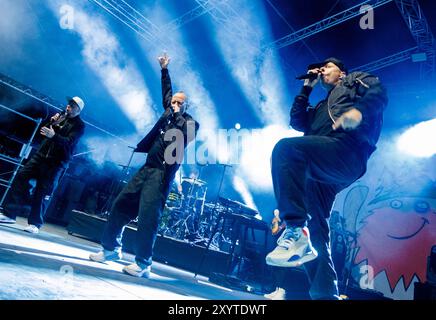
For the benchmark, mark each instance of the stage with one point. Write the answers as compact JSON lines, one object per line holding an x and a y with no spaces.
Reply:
{"x":225,"y":127}
{"x":54,"y":265}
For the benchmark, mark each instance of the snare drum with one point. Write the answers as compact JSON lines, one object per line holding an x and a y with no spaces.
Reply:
{"x":174,"y":200}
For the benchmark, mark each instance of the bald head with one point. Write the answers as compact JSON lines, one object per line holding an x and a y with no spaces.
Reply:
{"x":179,"y":101}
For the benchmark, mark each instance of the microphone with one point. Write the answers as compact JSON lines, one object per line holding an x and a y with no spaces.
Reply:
{"x":310,"y":76}
{"x":61,"y":114}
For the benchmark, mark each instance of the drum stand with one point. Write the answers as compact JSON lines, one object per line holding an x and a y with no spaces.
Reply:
{"x":189,"y":225}
{"x":182,"y":227}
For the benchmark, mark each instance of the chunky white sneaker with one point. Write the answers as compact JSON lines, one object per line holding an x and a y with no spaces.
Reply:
{"x":105,"y":255}
{"x":293,"y":248}
{"x":31,"y":229}
{"x":5,"y":219}
{"x":137,"y":271}
{"x":278,"y":294}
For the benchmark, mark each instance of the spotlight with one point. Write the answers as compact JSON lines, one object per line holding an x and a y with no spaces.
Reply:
{"x":237,"y":126}
{"x":417,"y":140}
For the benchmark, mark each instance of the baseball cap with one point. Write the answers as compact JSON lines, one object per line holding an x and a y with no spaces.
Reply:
{"x":77,"y":101}
{"x":333,"y":60}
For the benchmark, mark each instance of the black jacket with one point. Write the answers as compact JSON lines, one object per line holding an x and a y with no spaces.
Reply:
{"x":59,"y":149}
{"x":181,"y":120}
{"x":358,"y":90}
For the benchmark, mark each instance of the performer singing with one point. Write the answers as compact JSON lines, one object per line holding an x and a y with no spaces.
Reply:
{"x":340,"y":133}
{"x":46,"y":166}
{"x":145,"y":194}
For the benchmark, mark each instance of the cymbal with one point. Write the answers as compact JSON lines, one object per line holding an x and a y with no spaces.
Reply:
{"x":194,"y":181}
{"x":216,"y":206}
{"x":211,"y":204}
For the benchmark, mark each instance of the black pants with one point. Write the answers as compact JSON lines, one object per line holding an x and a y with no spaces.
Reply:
{"x":307,"y":174}
{"x":144,"y":197}
{"x":47,"y":176}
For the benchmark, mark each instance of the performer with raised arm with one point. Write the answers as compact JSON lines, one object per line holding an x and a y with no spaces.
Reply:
{"x":145,"y":194}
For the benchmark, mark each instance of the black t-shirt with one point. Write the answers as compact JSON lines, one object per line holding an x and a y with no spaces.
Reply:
{"x":321,"y":125}
{"x":156,"y":155}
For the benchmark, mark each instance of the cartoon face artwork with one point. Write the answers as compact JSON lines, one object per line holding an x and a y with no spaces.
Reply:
{"x":397,"y":236}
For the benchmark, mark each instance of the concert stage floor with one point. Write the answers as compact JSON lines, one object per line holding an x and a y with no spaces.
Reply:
{"x":54,"y":265}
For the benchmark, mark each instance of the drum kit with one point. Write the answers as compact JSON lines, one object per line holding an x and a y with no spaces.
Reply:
{"x":188,"y":217}
{"x":185,"y":211}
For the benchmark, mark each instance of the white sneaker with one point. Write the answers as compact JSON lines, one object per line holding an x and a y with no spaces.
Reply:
{"x":105,"y":255}
{"x":293,"y":249}
{"x":6,"y":219}
{"x":278,"y":294}
{"x":136,"y":271}
{"x":31,"y":229}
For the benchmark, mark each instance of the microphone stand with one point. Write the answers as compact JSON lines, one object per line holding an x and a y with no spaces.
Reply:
{"x":115,"y":185}
{"x":352,"y":253}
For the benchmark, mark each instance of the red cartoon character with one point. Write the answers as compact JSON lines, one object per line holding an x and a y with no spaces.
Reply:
{"x":396,"y":236}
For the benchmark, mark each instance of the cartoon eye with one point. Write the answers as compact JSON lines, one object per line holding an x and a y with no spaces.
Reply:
{"x":422,"y":206}
{"x":396,"y":204}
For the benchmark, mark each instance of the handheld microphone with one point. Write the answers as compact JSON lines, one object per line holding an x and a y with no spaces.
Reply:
{"x":310,"y":76}
{"x":61,"y":114}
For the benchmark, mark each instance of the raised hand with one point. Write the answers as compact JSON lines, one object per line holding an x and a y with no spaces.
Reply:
{"x":164,"y":60}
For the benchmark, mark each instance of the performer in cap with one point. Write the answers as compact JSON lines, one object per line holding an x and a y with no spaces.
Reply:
{"x":46,"y":166}
{"x":340,"y":134}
